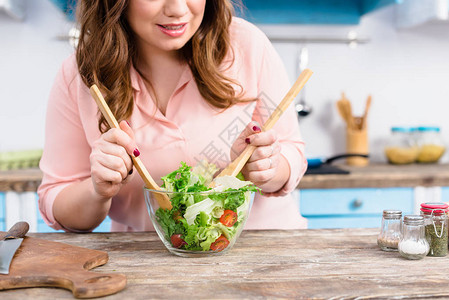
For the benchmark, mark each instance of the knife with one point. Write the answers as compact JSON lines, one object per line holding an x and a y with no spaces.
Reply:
{"x":10,"y":243}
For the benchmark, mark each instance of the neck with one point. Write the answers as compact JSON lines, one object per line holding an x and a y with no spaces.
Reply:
{"x":153,"y":62}
{"x":161,"y":71}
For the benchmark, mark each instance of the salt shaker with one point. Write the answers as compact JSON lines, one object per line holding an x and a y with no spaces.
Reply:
{"x":413,"y":243}
{"x":390,"y":231}
{"x":436,"y":221}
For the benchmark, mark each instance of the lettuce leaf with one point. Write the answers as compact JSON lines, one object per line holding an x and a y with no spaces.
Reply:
{"x":201,"y":206}
{"x":205,"y":206}
{"x":168,"y":223}
{"x":205,"y":170}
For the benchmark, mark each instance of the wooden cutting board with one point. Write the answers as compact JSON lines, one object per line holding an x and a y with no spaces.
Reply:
{"x":42,"y":263}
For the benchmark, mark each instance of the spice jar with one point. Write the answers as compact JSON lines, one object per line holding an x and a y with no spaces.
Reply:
{"x":436,"y":223}
{"x":401,"y":147}
{"x":413,"y":243}
{"x":390,"y":231}
{"x":430,"y":144}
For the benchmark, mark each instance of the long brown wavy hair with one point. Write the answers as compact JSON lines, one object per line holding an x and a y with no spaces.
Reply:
{"x":106,"y":51}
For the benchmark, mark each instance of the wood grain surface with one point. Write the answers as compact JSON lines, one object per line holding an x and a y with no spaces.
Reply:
{"x":46,"y":263}
{"x":299,"y":264}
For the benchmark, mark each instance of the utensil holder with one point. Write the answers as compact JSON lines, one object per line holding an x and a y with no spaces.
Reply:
{"x":357,"y":142}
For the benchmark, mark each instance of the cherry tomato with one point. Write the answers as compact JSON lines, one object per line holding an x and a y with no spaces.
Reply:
{"x":177,"y":216}
{"x":228,"y":218}
{"x":219,"y":244}
{"x":177,"y":241}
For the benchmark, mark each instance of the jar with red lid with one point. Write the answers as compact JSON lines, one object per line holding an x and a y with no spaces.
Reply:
{"x":436,"y":227}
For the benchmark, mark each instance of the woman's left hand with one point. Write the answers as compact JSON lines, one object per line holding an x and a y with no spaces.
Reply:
{"x":263,"y":167}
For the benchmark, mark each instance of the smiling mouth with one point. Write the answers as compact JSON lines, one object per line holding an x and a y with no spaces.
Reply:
{"x":172,"y":27}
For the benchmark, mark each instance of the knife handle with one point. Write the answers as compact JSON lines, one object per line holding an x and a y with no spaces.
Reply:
{"x":18,"y":230}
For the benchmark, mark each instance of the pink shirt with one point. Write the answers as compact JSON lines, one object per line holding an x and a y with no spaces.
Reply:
{"x":190,"y":131}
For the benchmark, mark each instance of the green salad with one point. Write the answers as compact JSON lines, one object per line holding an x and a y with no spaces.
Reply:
{"x":203,"y":218}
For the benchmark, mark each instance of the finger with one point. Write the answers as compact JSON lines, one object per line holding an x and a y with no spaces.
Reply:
{"x":118,"y":151}
{"x":241,"y":142}
{"x":110,"y":156}
{"x":251,"y":128}
{"x":263,"y":152}
{"x":263,"y":138}
{"x":102,"y":173}
{"x":116,"y":164}
{"x":260,"y":177}
{"x":120,"y":137}
{"x":124,"y":125}
{"x":128,"y":177}
{"x":263,"y":164}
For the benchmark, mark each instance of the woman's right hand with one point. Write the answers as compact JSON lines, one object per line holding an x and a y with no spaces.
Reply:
{"x":110,"y":161}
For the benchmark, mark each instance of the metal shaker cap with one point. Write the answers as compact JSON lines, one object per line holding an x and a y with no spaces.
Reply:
{"x":413,"y":220}
{"x":392,"y":214}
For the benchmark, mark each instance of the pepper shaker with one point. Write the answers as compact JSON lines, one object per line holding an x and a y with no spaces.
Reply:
{"x":390,"y":231}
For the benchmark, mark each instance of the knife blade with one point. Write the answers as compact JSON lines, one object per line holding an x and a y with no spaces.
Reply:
{"x":10,"y":243}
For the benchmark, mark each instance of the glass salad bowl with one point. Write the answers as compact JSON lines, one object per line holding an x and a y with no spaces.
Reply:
{"x":200,"y":223}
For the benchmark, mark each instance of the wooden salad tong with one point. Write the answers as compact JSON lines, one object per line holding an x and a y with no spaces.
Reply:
{"x":162,"y":198}
{"x":236,"y":166}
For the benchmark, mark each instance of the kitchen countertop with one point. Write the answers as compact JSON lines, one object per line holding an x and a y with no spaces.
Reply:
{"x":380,"y":176}
{"x":324,"y":263}
{"x":374,"y":175}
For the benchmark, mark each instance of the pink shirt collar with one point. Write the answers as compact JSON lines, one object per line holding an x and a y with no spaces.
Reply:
{"x":144,"y":101}
{"x":137,"y":82}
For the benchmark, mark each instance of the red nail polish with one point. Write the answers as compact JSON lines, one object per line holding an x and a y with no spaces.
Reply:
{"x":256,"y":129}
{"x":130,"y":171}
{"x":136,"y":152}
{"x":247,"y":140}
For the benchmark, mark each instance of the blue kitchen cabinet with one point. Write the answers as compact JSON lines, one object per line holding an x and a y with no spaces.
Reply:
{"x":105,"y":226}
{"x":352,"y":207}
{"x":2,"y":212}
{"x":335,"y":12}
{"x":445,"y":194}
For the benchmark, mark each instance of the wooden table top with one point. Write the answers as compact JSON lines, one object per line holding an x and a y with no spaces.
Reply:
{"x":322,"y":263}
{"x":374,"y":175}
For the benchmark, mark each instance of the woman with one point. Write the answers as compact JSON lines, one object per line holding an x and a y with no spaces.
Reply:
{"x":187,"y":81}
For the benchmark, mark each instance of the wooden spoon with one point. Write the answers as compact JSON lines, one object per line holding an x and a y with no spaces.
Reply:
{"x":345,"y":110}
{"x":236,"y":166}
{"x":162,"y":198}
{"x":365,"y":114}
{"x":342,"y":110}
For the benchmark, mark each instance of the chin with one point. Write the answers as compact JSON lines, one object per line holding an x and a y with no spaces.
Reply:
{"x":174,"y":46}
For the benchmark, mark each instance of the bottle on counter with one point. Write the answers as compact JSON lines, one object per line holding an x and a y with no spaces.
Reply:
{"x":401,"y":147}
{"x":436,"y":227}
{"x":390,"y":231}
{"x":430,"y":144}
{"x":413,"y":243}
